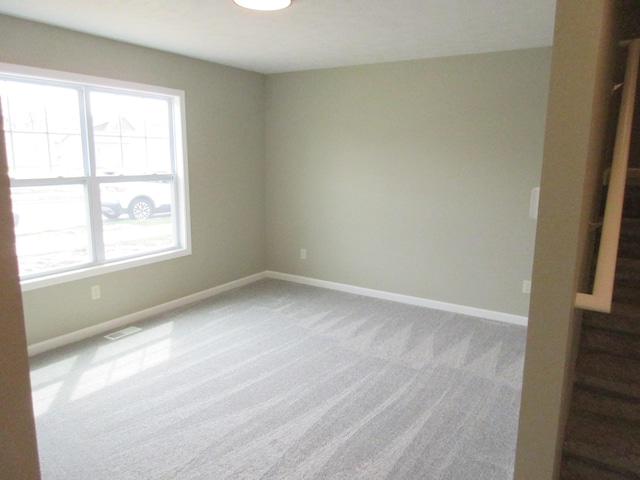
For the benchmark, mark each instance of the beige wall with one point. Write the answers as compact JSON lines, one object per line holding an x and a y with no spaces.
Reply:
{"x":225,"y":137}
{"x":18,"y":448}
{"x":578,"y":102}
{"x":411,"y":177}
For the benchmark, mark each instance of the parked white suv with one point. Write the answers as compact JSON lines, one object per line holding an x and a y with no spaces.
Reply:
{"x":140,"y":200}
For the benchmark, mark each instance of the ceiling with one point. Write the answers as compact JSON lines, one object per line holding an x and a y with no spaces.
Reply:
{"x":308,"y":35}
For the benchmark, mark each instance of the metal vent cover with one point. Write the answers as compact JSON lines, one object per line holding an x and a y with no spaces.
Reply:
{"x":123,"y":333}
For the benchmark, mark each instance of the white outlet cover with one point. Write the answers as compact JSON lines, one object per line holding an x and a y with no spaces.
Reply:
{"x":95,"y":292}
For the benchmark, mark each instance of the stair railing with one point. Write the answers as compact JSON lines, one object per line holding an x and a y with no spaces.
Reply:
{"x":601,"y":297}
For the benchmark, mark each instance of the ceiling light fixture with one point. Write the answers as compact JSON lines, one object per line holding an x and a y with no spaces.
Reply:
{"x":264,"y":5}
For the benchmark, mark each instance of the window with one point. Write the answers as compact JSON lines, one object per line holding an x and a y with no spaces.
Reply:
{"x":98,"y":173}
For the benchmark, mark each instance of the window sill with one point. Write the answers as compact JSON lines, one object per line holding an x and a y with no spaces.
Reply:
{"x":93,"y":271}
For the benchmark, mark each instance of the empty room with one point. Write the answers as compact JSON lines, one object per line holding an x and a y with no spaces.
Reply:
{"x":282,"y":244}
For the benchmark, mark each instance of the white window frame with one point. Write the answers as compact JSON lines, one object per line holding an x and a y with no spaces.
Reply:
{"x":181,"y":203}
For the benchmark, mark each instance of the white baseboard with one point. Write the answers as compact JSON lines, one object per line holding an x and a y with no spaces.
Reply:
{"x":117,"y":323}
{"x":395,"y":297}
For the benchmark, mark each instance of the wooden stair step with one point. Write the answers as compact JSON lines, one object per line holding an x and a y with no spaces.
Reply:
{"x":619,"y":375}
{"x":629,"y":246}
{"x":633,"y":173}
{"x":579,"y":468}
{"x":598,"y":402}
{"x":628,"y":272}
{"x":615,"y":343}
{"x":607,"y":442}
{"x":631,"y":207}
{"x":626,"y":294}
{"x":624,"y":317}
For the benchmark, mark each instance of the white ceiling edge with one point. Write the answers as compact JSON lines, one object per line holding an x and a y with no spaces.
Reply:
{"x":310,"y":34}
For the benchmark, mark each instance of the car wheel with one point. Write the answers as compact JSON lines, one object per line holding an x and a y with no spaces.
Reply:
{"x":140,"y":209}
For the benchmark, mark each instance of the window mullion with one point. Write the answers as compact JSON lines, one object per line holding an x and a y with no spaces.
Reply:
{"x":48,"y":134}
{"x":94,"y":210}
{"x":175,"y":187}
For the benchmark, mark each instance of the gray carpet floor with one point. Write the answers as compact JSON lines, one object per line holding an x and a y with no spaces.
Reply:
{"x":283,"y":381}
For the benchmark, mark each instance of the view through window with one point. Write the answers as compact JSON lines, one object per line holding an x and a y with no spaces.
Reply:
{"x":97,"y":173}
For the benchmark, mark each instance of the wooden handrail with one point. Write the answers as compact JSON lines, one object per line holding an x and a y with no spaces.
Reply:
{"x":601,"y":297}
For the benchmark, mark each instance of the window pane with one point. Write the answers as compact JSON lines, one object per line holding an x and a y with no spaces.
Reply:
{"x":132,"y":134}
{"x":51,"y":228}
{"x":26,"y":107}
{"x":4,"y":100}
{"x":108,"y":155}
{"x":43,"y":130}
{"x":30,"y":155}
{"x":157,"y":116}
{"x":134,"y":154}
{"x":159,"y":151}
{"x":65,"y":151}
{"x":66,"y":143}
{"x":63,"y":114}
{"x":137,"y":218}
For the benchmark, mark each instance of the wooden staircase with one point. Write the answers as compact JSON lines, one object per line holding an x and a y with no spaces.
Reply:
{"x":602,"y":437}
{"x":602,"y":440}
